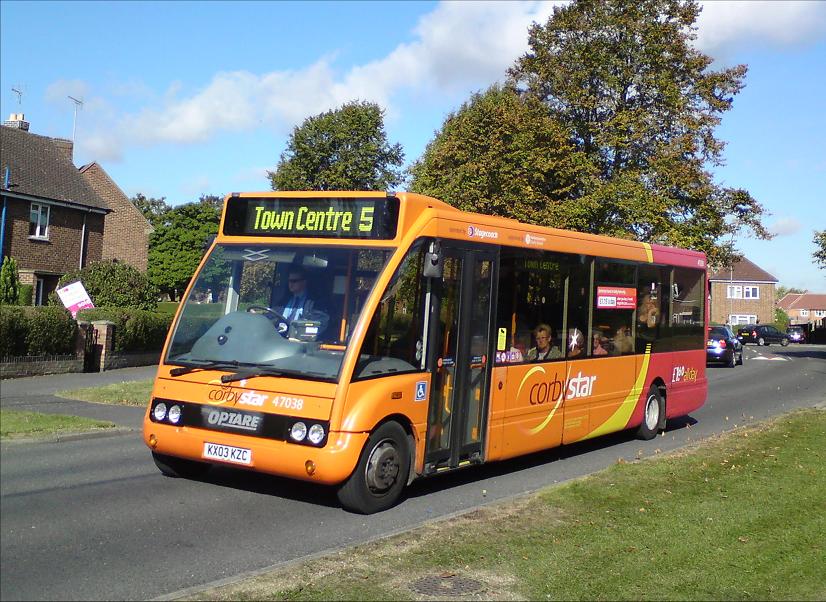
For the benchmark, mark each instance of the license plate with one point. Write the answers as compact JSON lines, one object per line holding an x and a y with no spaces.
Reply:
{"x":227,"y":453}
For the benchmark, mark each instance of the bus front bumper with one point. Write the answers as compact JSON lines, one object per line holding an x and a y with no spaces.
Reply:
{"x":329,"y":465}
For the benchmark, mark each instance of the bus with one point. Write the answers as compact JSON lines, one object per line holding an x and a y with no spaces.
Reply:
{"x":437,"y":340}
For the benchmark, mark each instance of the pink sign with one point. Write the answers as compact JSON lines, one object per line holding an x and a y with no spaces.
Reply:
{"x":616,"y":297}
{"x":74,"y":297}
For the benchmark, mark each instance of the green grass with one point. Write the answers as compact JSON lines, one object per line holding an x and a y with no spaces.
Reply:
{"x":167,"y":307}
{"x":17,"y":424}
{"x":742,"y":517}
{"x":134,"y":393}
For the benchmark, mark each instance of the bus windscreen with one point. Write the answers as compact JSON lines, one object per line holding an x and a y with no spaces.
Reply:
{"x":366,"y":218}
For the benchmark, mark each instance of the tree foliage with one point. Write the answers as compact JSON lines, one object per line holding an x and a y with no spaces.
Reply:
{"x":501,"y":154}
{"x":820,"y":248}
{"x":153,"y":209}
{"x":631,"y":106}
{"x":112,"y":284}
{"x":344,"y":149}
{"x":177,"y":245}
{"x":9,"y":282}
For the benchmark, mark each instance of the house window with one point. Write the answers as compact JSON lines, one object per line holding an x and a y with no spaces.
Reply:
{"x":39,"y":220}
{"x":820,"y":313}
{"x":38,"y":290}
{"x":735,"y":291}
{"x":804,"y":313}
{"x":751,"y":292}
{"x":738,"y":291}
{"x":742,"y":319}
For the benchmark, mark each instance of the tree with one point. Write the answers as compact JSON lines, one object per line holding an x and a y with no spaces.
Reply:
{"x":820,"y":252}
{"x":112,"y":284}
{"x":501,"y":154}
{"x":344,"y":149}
{"x":177,"y":245}
{"x":214,"y":201}
{"x":781,"y":319}
{"x":782,"y":291}
{"x":642,"y":105}
{"x":9,"y":282}
{"x":153,"y":209}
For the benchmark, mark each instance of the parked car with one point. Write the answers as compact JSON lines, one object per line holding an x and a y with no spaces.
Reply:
{"x":796,"y":334}
{"x":762,"y":334}
{"x":723,"y":346}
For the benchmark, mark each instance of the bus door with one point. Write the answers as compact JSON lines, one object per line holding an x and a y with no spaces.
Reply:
{"x":459,"y":356}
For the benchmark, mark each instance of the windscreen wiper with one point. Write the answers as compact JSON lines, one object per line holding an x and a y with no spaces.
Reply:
{"x":184,"y":369}
{"x":251,"y":373}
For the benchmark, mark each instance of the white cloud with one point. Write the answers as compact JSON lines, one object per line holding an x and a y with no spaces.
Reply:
{"x":727,"y":26}
{"x":785,"y":226}
{"x":457,"y":48}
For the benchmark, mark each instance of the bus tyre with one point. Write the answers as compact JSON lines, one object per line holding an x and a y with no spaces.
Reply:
{"x":381,"y":472}
{"x":179,"y":467}
{"x":652,"y":414}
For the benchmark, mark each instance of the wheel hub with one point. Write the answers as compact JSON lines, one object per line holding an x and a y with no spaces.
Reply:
{"x":383,"y":467}
{"x":652,"y":412}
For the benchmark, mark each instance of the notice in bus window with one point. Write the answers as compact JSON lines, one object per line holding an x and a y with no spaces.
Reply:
{"x":616,"y":297}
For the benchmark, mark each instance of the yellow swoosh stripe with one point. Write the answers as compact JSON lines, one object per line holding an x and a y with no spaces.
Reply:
{"x":547,"y":420}
{"x":649,"y":254}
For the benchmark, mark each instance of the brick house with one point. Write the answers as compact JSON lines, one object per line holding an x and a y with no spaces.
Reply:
{"x":742,"y":293}
{"x":53,"y":217}
{"x":125,"y":229}
{"x":804,"y":308}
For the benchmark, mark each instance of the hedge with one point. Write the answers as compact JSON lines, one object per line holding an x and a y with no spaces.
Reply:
{"x":135,"y":329}
{"x":36,"y":331}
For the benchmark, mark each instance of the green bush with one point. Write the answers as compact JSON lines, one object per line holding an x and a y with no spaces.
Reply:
{"x":135,"y":329}
{"x":9,"y":281}
{"x":25,"y":294}
{"x":36,"y":331}
{"x":112,"y":284}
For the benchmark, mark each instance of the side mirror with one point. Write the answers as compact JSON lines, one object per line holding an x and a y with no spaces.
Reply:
{"x":433,"y":264}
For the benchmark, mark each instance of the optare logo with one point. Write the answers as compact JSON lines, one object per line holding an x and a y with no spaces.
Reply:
{"x":224,"y":418}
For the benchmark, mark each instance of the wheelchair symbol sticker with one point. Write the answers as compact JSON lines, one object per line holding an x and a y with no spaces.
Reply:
{"x":421,"y":390}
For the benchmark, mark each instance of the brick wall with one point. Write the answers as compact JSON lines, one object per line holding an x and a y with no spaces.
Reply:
{"x":722,"y":307}
{"x":126,"y":233}
{"x":61,"y":252}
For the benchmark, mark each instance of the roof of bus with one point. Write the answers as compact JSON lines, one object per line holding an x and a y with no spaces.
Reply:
{"x":419,"y":203}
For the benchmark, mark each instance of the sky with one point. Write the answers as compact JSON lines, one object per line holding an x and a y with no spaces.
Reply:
{"x":188,"y":98}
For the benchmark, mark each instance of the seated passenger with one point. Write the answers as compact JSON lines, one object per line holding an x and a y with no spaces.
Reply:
{"x":623,"y":343}
{"x":543,"y":350}
{"x":597,"y":346}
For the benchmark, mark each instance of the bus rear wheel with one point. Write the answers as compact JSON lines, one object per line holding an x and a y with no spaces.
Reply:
{"x":652,"y":414}
{"x":381,"y":473}
{"x":179,"y":467}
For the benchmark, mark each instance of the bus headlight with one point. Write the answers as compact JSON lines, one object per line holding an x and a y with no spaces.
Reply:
{"x":160,"y":411}
{"x":174,"y":414}
{"x":298,"y":431}
{"x":316,"y":434}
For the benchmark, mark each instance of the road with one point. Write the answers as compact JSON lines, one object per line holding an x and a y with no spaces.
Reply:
{"x":94,"y":519}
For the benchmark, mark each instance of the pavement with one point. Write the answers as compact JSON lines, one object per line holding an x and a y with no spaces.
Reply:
{"x":37,"y":394}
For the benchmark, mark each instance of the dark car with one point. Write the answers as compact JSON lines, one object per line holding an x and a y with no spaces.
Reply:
{"x":796,"y":334}
{"x":723,"y":347}
{"x":762,"y":334}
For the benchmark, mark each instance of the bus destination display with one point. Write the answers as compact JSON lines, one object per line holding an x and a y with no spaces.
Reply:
{"x":312,"y":217}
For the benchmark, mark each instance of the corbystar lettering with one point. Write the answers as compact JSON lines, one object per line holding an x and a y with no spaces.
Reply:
{"x":240,"y":421}
{"x":251,"y":398}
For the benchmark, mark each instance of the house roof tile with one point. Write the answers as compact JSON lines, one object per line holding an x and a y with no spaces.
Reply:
{"x":803,"y":301}
{"x":743,"y":270}
{"x":39,"y":167}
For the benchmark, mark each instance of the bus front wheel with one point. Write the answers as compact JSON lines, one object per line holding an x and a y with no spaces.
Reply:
{"x":179,"y":467}
{"x":381,"y":473}
{"x":652,"y":414}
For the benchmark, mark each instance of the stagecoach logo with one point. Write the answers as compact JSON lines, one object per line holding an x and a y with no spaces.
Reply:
{"x":226,"y":418}
{"x":533,"y":239}
{"x":475,"y":232}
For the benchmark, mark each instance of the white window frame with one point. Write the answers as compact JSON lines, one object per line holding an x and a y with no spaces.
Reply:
{"x":751,"y":292}
{"x":804,"y":313}
{"x":738,"y":319}
{"x":820,"y":313}
{"x":41,"y":223}
{"x":734,"y":291}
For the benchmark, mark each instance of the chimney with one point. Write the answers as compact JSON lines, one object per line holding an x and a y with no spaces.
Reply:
{"x":17,"y":121}
{"x":64,"y":146}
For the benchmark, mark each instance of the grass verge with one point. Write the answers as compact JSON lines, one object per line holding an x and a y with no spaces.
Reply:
{"x":133,"y":393}
{"x":739,"y":517}
{"x":16,"y":424}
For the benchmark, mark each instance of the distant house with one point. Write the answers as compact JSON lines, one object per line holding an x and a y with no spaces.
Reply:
{"x":804,"y":308}
{"x":54,"y":217}
{"x":742,"y":293}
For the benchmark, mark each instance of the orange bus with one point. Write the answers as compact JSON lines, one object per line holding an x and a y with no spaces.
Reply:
{"x":428,"y":340}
